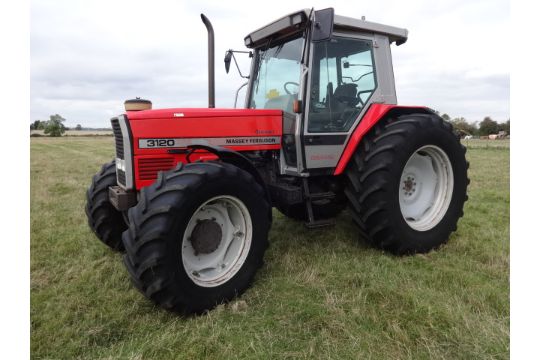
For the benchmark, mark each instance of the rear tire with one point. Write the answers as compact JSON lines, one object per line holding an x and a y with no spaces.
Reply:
{"x":105,"y":221}
{"x":181,"y":226}
{"x":407,"y":183}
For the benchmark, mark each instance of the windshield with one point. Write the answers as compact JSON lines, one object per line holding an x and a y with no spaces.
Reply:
{"x":275,"y":85}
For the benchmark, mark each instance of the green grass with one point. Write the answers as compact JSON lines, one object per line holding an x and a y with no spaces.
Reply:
{"x":486,"y":144}
{"x":320,"y":294}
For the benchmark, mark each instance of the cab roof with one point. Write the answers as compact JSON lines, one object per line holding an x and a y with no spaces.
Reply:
{"x":298,"y":20}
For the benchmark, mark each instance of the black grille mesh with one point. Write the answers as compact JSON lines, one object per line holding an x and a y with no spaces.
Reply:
{"x":118,"y":139}
{"x":119,"y":143}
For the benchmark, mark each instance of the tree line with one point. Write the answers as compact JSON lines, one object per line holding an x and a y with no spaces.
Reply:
{"x":52,"y":127}
{"x":55,"y":126}
{"x":485,"y":127}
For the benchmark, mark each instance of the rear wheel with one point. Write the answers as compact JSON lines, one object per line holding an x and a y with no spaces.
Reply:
{"x":105,"y":221}
{"x":407,"y":183}
{"x":197,"y":236}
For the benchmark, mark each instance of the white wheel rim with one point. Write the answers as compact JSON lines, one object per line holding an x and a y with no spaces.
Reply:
{"x":226,"y":253}
{"x":425,"y":188}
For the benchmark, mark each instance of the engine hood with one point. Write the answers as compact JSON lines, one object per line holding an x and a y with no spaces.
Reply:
{"x":179,"y":113}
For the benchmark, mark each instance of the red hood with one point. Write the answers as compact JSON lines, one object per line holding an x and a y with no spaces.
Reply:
{"x":199,"y":112}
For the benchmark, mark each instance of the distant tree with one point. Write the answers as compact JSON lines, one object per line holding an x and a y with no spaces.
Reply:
{"x":488,"y":126}
{"x":41,"y":125}
{"x":464,"y":127}
{"x":446,"y":117}
{"x":78,"y":127}
{"x":35,"y":125}
{"x":505,"y":126}
{"x":55,"y":126}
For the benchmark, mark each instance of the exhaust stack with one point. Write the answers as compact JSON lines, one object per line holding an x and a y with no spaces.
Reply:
{"x":211,"y":78}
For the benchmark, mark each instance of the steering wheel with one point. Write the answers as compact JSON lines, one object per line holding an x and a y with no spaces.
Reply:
{"x":290,"y":83}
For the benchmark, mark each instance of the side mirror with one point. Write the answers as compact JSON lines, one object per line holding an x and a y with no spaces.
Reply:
{"x":228,"y":56}
{"x":322,"y":25}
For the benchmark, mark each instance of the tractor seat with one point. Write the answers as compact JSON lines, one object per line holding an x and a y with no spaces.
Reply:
{"x":338,"y":116}
{"x":345,"y":93}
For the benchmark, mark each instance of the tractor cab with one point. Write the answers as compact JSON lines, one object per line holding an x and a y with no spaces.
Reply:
{"x":324,"y":71}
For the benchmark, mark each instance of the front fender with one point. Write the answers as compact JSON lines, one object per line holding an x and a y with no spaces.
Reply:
{"x":234,"y":158}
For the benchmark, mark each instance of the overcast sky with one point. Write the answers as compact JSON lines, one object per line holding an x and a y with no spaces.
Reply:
{"x":87,"y":57}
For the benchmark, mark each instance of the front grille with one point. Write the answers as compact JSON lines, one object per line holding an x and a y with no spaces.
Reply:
{"x":119,"y":145}
{"x":118,"y":139}
{"x":149,"y":167}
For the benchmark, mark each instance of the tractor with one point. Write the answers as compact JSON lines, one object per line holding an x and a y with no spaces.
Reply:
{"x":189,"y":195}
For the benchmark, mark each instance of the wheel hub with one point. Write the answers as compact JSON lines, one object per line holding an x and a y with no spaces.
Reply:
{"x":409,"y":185}
{"x":206,"y":237}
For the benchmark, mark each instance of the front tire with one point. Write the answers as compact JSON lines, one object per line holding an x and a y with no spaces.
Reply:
{"x":407,"y":183}
{"x":197,"y":236}
{"x":105,"y":221}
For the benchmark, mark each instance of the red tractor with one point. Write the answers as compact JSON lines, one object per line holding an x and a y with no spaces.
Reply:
{"x":190,"y":193}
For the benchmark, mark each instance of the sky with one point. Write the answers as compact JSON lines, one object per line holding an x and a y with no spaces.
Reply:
{"x":87,"y":57}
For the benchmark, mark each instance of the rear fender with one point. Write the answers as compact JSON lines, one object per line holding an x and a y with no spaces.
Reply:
{"x":375,"y":113}
{"x":234,"y":158}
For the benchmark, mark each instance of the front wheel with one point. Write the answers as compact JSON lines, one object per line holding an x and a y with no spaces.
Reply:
{"x":105,"y":221}
{"x":407,"y":183}
{"x":197,"y":236}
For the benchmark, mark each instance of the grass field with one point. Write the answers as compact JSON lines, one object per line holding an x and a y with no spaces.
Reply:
{"x":321,"y":294}
{"x":486,"y":144}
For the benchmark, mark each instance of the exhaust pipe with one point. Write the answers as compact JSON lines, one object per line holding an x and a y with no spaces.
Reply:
{"x":211,"y":79}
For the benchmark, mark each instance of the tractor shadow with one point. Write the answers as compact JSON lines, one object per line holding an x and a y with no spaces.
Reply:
{"x":288,"y":234}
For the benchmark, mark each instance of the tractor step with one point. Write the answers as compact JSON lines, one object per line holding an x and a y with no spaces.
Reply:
{"x":321,"y":196}
{"x":317,"y":224}
{"x":312,"y":223}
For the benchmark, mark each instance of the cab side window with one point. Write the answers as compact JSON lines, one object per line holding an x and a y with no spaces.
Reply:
{"x":342,"y":81}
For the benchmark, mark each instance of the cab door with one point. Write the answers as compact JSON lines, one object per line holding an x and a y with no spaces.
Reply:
{"x":342,"y":84}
